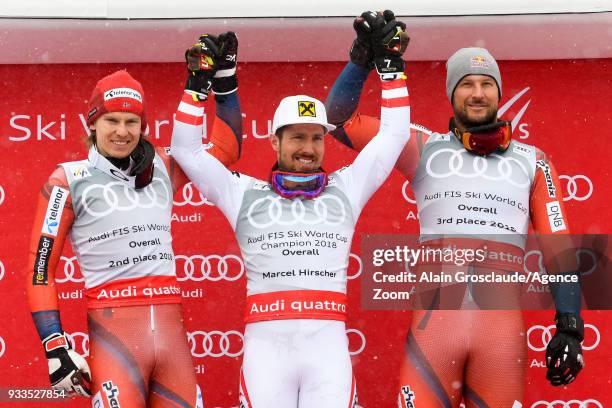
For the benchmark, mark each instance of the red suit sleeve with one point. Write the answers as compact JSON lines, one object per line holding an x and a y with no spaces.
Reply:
{"x":360,"y":129}
{"x":52,"y":222}
{"x":548,"y":214}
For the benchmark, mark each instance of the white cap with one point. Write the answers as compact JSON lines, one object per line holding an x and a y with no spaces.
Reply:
{"x":297,"y":109}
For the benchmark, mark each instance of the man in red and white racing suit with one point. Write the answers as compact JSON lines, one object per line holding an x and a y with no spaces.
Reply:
{"x":116,"y":207}
{"x":295,"y":232}
{"x":472,"y":181}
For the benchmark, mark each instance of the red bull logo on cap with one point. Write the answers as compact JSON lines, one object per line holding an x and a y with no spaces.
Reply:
{"x":479,"y":62}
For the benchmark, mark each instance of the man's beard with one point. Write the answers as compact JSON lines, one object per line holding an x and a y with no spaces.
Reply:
{"x":462,"y":117}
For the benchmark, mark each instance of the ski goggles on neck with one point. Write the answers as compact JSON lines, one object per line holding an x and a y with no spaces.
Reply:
{"x":291,"y":185}
{"x":486,"y":139}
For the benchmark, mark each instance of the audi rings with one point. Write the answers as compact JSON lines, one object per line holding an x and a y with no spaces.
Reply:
{"x":216,"y":343}
{"x":71,"y":266}
{"x":119,"y":196}
{"x":405,"y":193}
{"x":543,"y":334}
{"x":362,"y":341}
{"x":223,"y":270}
{"x":2,"y":195}
{"x":2,"y":346}
{"x":481,"y":167}
{"x":335,"y":214}
{"x":573,"y":192}
{"x":188,"y":197}
{"x":581,"y":253}
{"x":79,"y":342}
{"x":589,"y":403}
{"x":2,"y":270}
{"x":359,"y":265}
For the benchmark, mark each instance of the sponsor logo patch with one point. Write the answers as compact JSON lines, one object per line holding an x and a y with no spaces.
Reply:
{"x":548,"y":177}
{"x":122,"y":93}
{"x":41,"y":264}
{"x":112,"y":394}
{"x":479,"y":62}
{"x":522,"y":150}
{"x":555,"y":218}
{"x":407,"y":397}
{"x":80,"y":173}
{"x":307,"y":108}
{"x":55,"y":208}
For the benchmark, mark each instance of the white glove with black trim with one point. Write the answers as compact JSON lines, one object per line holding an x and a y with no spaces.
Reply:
{"x":68,"y":370}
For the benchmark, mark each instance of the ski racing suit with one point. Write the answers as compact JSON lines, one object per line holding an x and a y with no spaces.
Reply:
{"x":296,"y":253}
{"x":475,"y":355}
{"x":138,"y":351}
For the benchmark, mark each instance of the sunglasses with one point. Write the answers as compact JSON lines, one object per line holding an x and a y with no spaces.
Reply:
{"x":291,"y":185}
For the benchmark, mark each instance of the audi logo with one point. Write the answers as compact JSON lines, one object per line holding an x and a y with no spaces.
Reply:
{"x":2,"y":195}
{"x":216,"y":343}
{"x":199,"y":267}
{"x":79,"y":342}
{"x":118,"y":196}
{"x":581,"y":255}
{"x":405,"y":193}
{"x":297,"y":211}
{"x":359,"y":266}
{"x":572,"y":189}
{"x":71,"y":270}
{"x":188,"y":197}
{"x":463,"y":164}
{"x":353,"y":351}
{"x":1,"y":270}
{"x":538,"y":337}
{"x":589,"y":403}
{"x":2,"y":347}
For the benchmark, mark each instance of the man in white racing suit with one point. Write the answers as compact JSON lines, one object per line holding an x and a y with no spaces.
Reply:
{"x":295,"y":232}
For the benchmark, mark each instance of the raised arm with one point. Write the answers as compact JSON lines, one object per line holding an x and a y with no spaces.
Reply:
{"x":205,"y":71}
{"x":355,"y":130}
{"x":225,"y":139}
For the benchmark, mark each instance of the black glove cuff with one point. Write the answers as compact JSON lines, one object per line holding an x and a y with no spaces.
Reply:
{"x":225,"y":85}
{"x":571,"y":324}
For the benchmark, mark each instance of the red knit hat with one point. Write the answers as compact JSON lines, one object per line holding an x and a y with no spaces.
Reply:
{"x":117,"y":92}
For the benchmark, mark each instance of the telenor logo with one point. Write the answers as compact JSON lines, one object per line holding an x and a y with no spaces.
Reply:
{"x":57,"y":199}
{"x":122,"y":93}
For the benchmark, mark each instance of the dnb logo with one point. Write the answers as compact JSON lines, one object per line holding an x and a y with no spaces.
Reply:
{"x":588,"y":403}
{"x":406,"y":397}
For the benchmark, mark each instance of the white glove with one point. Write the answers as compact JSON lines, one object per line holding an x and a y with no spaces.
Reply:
{"x":68,"y":370}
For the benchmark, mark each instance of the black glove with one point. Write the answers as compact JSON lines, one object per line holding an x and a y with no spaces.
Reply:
{"x":201,"y":61}
{"x":68,"y":370}
{"x":389,"y":41}
{"x":143,"y":156}
{"x":564,"y":352}
{"x":361,"y":52}
{"x":389,"y":38}
{"x":225,"y":81}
